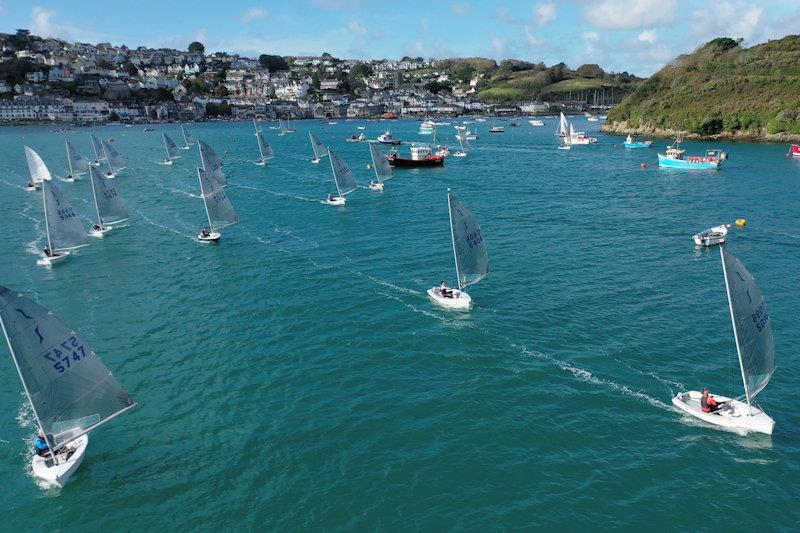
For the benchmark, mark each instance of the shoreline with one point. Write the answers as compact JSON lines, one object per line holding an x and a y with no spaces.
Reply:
{"x":621,"y":128}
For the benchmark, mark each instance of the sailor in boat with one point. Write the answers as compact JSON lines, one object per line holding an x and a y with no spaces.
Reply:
{"x":446,"y":293}
{"x":109,"y":173}
{"x":47,"y":251}
{"x":97,"y":227}
{"x":331,"y":197}
{"x":707,"y":402}
{"x":205,"y":233}
{"x":40,"y":446}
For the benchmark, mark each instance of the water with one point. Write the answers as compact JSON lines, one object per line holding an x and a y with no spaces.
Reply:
{"x":297,"y":377}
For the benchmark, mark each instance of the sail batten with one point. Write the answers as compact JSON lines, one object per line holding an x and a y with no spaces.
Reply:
{"x":383,"y":170}
{"x":219,"y":209}
{"x":345,"y":181}
{"x":70,"y":389}
{"x":110,"y":209}
{"x":752,"y":328}
{"x":469,"y":248}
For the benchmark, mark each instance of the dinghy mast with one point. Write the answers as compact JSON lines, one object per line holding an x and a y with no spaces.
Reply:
{"x":453,"y":238}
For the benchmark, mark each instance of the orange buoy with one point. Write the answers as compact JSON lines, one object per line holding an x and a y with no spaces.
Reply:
{"x":643,"y":165}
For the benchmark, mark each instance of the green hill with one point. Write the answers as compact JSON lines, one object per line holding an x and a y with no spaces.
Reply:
{"x":720,"y":90}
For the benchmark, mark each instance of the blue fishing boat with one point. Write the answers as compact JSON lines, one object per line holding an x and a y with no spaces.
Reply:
{"x":630,"y":143}
{"x":676,"y":158}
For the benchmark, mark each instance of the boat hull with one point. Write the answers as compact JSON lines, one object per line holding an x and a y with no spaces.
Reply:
{"x":739,"y":416}
{"x":68,"y":462}
{"x":431,"y":161}
{"x":637,"y":145}
{"x":212,"y":237}
{"x":100,"y":233}
{"x":682,"y":164}
{"x":336,"y":200}
{"x":459,"y":300}
{"x":50,"y":260}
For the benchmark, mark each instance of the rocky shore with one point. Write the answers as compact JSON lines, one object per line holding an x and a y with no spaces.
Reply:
{"x":622,"y":128}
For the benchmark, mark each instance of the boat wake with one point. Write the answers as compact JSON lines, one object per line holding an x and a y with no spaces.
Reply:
{"x":666,"y":382}
{"x":443,"y":319}
{"x":281,"y":194}
{"x":25,"y":417}
{"x":165,"y":228}
{"x":13,"y":185}
{"x":390,"y":285}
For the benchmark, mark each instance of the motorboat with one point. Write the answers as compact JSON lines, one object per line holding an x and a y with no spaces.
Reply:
{"x":421,"y":156}
{"x":387,"y":138}
{"x":711,"y":236}
{"x":630,"y":143}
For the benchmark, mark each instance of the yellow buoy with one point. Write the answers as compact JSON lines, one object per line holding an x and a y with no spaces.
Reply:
{"x":741,"y":222}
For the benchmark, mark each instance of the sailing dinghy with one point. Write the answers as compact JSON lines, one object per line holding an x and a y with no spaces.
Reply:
{"x":69,"y":389}
{"x":219,"y":209}
{"x":116,"y":163}
{"x":171,"y":148}
{"x":188,"y":140}
{"x":107,"y":203}
{"x":212,"y":164}
{"x":343,"y":177}
{"x":755,"y":347}
{"x":563,"y":126}
{"x":62,"y":225}
{"x":461,"y":135}
{"x":264,"y":148}
{"x":99,"y":155}
{"x":383,"y":170}
{"x":469,"y":252}
{"x":78,"y":165}
{"x":320,"y":150}
{"x":37,"y":168}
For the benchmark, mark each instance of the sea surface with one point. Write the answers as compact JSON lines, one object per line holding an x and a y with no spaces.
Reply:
{"x":296,"y":377}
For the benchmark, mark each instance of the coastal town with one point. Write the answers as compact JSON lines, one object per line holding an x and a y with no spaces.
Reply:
{"x":51,"y":80}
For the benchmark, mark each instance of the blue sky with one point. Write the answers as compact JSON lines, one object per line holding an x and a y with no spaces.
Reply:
{"x":639,"y":36}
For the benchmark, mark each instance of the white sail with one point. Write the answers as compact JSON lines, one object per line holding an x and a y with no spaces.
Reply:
{"x":289,"y":127}
{"x":469,"y":248}
{"x":218,"y":207}
{"x":212,"y":163}
{"x":63,"y":226}
{"x":36,"y":166}
{"x":383,"y":170}
{"x":99,"y":154}
{"x":256,"y":125}
{"x":188,"y":140}
{"x":281,"y":125}
{"x":462,"y":140}
{"x":78,"y":164}
{"x":320,"y":150}
{"x":170,"y":147}
{"x":107,"y":202}
{"x":69,"y":388}
{"x":264,"y":147}
{"x":115,"y":161}
{"x":345,"y":181}
{"x":563,"y":126}
{"x":751,"y":325}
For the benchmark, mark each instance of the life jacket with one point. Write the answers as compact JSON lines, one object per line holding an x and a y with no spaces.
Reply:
{"x":704,"y":404}
{"x":40,"y":444}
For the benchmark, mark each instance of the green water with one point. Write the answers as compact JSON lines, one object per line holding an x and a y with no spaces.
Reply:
{"x":296,"y":377}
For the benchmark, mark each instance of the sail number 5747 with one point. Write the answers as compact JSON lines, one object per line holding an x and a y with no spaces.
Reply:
{"x":66,"y":354}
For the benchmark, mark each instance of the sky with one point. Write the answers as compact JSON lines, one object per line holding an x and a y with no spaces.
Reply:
{"x":637,"y":36}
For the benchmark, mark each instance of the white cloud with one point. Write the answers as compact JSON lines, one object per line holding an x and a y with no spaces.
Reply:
{"x":336,"y":5}
{"x":629,"y":14}
{"x":648,"y":36}
{"x":42,"y":25}
{"x":459,"y":9}
{"x":731,"y":19}
{"x":590,"y":36}
{"x":357,"y":28}
{"x":544,"y":13}
{"x":252,"y":14}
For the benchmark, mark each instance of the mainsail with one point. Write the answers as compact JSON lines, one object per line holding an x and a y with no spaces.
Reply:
{"x":64,"y":229}
{"x":171,"y":147}
{"x":99,"y":155}
{"x":212,"y":163}
{"x":383,"y":170}
{"x":469,"y":249}
{"x":563,"y":126}
{"x":345,"y":181}
{"x":751,"y":325}
{"x":36,"y":166}
{"x":77,"y":163}
{"x":462,"y":139}
{"x":107,"y":201}
{"x":69,"y":388}
{"x":188,"y":140}
{"x":264,"y":147}
{"x":320,"y":150}
{"x":115,"y":161}
{"x":281,"y":125}
{"x":218,"y":207}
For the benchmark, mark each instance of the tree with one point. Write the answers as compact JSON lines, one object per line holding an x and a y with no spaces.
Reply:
{"x":197,"y":46}
{"x":590,"y":70}
{"x":362,"y":70}
{"x":436,"y":86}
{"x":273,"y":63}
{"x":220,"y":90}
{"x":214,"y":110}
{"x":20,"y":39}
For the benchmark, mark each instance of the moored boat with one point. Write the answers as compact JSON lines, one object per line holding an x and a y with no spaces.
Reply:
{"x":421,"y":156}
{"x":630,"y":143}
{"x":387,"y":138}
{"x":676,"y":158}
{"x":711,"y":236}
{"x":794,"y":151}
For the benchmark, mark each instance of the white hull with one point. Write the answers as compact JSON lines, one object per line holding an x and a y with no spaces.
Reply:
{"x":69,"y":180}
{"x":261,"y":163}
{"x":50,"y":260}
{"x":315,"y":160}
{"x":69,"y":459}
{"x":100,"y":233}
{"x":376,"y":186}
{"x":336,"y":200}
{"x":212,"y":237}
{"x":583,"y":140}
{"x":734,"y":414}
{"x":459,"y":300}
{"x":167,"y":162}
{"x":31,"y":189}
{"x":565,"y":147}
{"x":712,"y":236}
{"x":459,"y":154}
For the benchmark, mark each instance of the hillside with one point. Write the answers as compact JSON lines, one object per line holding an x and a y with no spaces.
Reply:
{"x":517,"y":81}
{"x":720,"y":90}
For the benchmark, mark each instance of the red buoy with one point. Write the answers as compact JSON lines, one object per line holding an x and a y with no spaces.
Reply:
{"x":643,"y":165}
